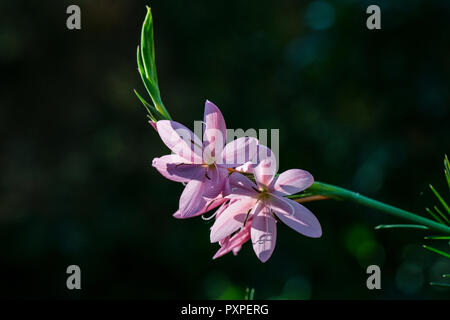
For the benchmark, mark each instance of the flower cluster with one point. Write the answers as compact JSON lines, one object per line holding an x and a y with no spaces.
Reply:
{"x":239,"y":179}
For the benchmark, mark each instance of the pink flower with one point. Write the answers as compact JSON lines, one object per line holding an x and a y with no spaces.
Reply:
{"x":257,"y":205}
{"x":202,"y":165}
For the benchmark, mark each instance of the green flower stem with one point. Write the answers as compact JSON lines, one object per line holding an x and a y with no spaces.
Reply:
{"x":338,"y":193}
{"x":401,"y":226}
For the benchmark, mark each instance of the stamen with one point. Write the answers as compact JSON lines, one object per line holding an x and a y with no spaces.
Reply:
{"x":257,"y":190}
{"x":194,"y":143}
{"x":180,"y":164}
{"x":274,"y":215}
{"x":209,"y":218}
{"x":246,"y":217}
{"x":209,"y":204}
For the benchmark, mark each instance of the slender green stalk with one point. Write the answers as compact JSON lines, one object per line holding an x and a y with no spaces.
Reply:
{"x":441,"y":214}
{"x":442,"y":253}
{"x":434,"y":216}
{"x":444,"y":204}
{"x":438,"y":284}
{"x":401,"y":226}
{"x":338,"y":193}
{"x":437,"y":238}
{"x":249,"y":294}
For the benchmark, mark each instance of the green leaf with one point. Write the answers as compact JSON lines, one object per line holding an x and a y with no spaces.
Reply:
{"x":153,"y":91}
{"x":442,"y":253}
{"x":440,"y":284}
{"x":447,"y":170}
{"x":147,"y":66}
{"x":148,"y":48}
{"x":252,"y":294}
{"x":440,"y":199}
{"x":249,"y":294}
{"x":437,"y":238}
{"x":434,"y":216}
{"x":392,"y":226}
{"x":152,"y":112}
{"x":441,"y":214}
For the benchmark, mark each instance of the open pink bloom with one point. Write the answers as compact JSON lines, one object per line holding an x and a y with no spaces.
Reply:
{"x":256,"y":205}
{"x":202,"y":165}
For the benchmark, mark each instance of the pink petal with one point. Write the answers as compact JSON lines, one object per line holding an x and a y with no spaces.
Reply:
{"x":224,"y":241}
{"x":246,"y":167}
{"x":223,"y":207}
{"x":191,"y":200}
{"x":231,"y":219}
{"x":266,"y":166}
{"x":263,"y":232}
{"x":296,"y":216}
{"x":241,"y":186}
{"x":210,"y":205}
{"x":176,"y":168}
{"x":238,"y":152}
{"x":235,"y":242}
{"x":215,"y":132}
{"x":226,"y":188}
{"x":180,"y":140}
{"x":292,"y":181}
{"x":238,"y":248}
{"x":177,"y":215}
{"x":215,"y":181}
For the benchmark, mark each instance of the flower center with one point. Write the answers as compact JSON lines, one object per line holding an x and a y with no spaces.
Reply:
{"x":210,"y":160}
{"x":209,"y":165}
{"x":263,"y":193}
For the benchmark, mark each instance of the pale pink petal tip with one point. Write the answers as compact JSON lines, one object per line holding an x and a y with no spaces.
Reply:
{"x":177,"y":215}
{"x":246,"y":167}
{"x":173,"y":168}
{"x":292,"y":181}
{"x":263,"y":232}
{"x":215,"y":133}
{"x":181,"y":140}
{"x":296,"y":217}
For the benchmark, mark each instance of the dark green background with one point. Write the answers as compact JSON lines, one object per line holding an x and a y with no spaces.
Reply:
{"x":366,"y":110}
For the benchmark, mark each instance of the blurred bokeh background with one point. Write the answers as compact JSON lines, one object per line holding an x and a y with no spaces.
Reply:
{"x":366,"y":110}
